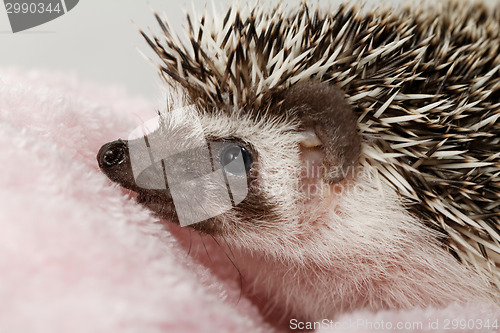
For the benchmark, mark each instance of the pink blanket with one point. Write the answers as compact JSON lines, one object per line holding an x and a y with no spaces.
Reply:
{"x":77,"y":254}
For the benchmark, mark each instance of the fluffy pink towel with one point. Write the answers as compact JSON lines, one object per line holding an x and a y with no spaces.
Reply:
{"x":77,"y":254}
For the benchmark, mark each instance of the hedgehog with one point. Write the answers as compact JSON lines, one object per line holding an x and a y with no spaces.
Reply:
{"x":364,"y":144}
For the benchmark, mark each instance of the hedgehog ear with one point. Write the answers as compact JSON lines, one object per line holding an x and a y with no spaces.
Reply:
{"x":328,"y":121}
{"x":309,"y":139}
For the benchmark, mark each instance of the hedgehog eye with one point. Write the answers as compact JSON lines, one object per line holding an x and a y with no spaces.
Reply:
{"x":236,"y":160}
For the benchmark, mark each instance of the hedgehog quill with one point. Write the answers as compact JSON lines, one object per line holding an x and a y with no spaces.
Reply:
{"x":367,"y":143}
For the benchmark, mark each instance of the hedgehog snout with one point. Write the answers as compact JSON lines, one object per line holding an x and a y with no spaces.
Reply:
{"x":114,"y":161}
{"x":112,"y":153}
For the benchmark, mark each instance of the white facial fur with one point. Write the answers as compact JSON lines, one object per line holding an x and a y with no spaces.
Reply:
{"x":352,"y":245}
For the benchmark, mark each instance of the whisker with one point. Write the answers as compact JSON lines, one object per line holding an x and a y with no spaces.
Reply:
{"x":228,"y":247}
{"x":235,"y":266}
{"x":190,"y":241}
{"x":206,"y":251}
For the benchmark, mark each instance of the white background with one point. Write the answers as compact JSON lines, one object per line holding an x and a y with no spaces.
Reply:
{"x":98,"y":41}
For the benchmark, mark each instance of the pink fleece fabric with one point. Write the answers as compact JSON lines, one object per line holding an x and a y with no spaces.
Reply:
{"x":77,"y":254}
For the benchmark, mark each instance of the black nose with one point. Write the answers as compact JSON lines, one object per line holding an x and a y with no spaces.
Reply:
{"x":114,"y":161}
{"x":112,"y":154}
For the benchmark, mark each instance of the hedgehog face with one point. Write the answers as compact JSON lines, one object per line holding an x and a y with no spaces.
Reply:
{"x":272,"y":164}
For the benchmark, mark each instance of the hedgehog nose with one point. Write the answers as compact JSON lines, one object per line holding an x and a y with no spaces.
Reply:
{"x":112,"y":154}
{"x":114,"y":161}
